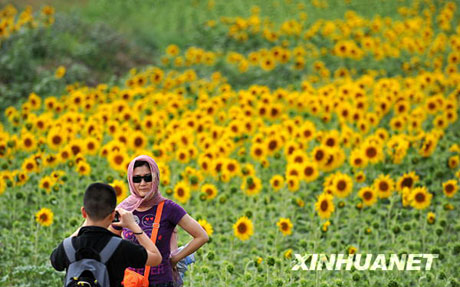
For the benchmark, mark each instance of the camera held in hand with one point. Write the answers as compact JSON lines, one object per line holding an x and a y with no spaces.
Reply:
{"x":117,"y":217}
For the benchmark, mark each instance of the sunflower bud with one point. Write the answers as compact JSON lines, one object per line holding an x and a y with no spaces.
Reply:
{"x":223,"y":199}
{"x":19,"y":195}
{"x":53,"y":200}
{"x":230,"y":268}
{"x":11,"y":144}
{"x":211,"y":255}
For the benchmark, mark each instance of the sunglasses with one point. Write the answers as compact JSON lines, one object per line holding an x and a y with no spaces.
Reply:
{"x":138,"y":178}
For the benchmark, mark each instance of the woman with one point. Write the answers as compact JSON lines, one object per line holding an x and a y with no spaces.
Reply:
{"x":143,"y":179}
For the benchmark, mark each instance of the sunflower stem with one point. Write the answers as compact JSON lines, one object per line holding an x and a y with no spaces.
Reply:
{"x":36,"y":244}
{"x":423,"y":230}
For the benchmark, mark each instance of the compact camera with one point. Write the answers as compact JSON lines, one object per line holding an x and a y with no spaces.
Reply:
{"x":117,"y":217}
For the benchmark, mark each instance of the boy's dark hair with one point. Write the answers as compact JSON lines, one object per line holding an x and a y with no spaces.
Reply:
{"x":99,"y":201}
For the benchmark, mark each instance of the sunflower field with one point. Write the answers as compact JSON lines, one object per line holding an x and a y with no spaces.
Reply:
{"x":283,"y":127}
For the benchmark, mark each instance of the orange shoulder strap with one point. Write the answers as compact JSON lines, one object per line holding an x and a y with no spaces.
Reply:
{"x":156,"y":227}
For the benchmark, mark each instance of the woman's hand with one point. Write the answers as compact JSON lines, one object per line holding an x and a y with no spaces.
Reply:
{"x":173,"y":259}
{"x":126,"y":220}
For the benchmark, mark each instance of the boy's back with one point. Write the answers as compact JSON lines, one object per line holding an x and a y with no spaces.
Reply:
{"x":95,"y":238}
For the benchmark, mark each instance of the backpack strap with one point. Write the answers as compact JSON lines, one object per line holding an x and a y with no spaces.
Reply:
{"x":156,"y":228}
{"x":69,"y":249}
{"x":109,"y":249}
{"x":104,"y":255}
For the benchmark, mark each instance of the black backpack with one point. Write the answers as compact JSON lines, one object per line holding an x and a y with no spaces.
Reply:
{"x":89,"y":272}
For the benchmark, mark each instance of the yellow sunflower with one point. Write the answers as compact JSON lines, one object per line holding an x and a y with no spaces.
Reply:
{"x":44,"y":217}
{"x":118,"y":160}
{"x":360,"y":176}
{"x":384,"y":185}
{"x":92,"y":145}
{"x":137,"y":141}
{"x":420,"y":198}
{"x":342,"y":185}
{"x":46,"y":183}
{"x":310,"y":171}
{"x":2,"y":185}
{"x":407,"y":180}
{"x":372,"y":151}
{"x":28,"y":142}
{"x":357,"y":159}
{"x":182,"y":155}
{"x":450,"y":187}
{"x":252,"y":185}
{"x":182,"y":192}
{"x":293,"y":183}
{"x":285,"y":226}
{"x":324,"y":205}
{"x":120,"y":189}
{"x":232,"y":167}
{"x":243,"y":228}
{"x":83,"y":168}
{"x":277,"y":182}
{"x":454,"y":161}
{"x":368,"y":195}
{"x":206,"y":226}
{"x":258,"y":151}
{"x":430,"y":217}
{"x":30,"y":165}
{"x":209,"y":190}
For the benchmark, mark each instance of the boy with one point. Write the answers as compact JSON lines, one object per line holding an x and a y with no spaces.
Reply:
{"x":99,"y":212}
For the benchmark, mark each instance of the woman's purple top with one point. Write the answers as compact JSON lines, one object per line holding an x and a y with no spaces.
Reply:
{"x":171,"y":215}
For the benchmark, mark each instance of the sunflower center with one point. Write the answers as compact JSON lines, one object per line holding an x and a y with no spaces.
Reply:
{"x":319,"y":155}
{"x":43,"y":217}
{"x":272,"y":145}
{"x":180,"y":192}
{"x":330,"y":142}
{"x":118,"y":190}
{"x":420,"y":197}
{"x":449,"y":188}
{"x":324,"y":205}
{"x":407,"y":182}
{"x":138,"y":142}
{"x":284,"y":226}
{"x":118,"y":159}
{"x":242,"y":228}
{"x":341,"y":185}
{"x":308,"y":171}
{"x":383,"y":186}
{"x":75,"y":149}
{"x":371,"y":152}
{"x":367,"y":195}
